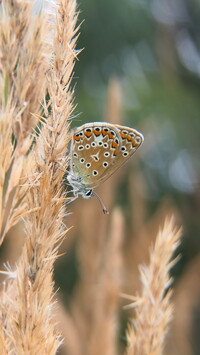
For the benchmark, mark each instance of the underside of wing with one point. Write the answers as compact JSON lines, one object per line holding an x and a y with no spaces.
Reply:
{"x":95,"y":148}
{"x":130,"y":141}
{"x":99,"y":149}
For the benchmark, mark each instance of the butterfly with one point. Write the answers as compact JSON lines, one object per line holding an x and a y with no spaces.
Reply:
{"x":97,"y":150}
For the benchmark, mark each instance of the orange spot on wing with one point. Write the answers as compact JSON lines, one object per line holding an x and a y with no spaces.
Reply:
{"x":116,"y":152}
{"x":129,"y":138}
{"x":97,"y":133}
{"x":115,"y":145}
{"x":110,"y":135}
{"x":135,"y":144}
{"x":124,"y":136}
{"x":88,"y":134}
{"x":77,"y":138}
{"x":104,"y":133}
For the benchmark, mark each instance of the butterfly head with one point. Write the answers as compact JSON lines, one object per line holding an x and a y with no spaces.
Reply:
{"x":79,"y":188}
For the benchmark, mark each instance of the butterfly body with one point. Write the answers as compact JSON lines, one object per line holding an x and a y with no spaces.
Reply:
{"x":97,"y":150}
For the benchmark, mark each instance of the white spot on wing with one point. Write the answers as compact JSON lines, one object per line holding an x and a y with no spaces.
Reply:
{"x":98,"y":138}
{"x":95,"y":156}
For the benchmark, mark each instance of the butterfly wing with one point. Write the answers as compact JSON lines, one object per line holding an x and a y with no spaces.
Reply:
{"x":94,"y":149}
{"x":130,"y":141}
{"x":99,"y":149}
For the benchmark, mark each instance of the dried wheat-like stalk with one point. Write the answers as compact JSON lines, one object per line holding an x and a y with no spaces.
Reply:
{"x":105,"y":302}
{"x":153,"y":309}
{"x":27,"y":318}
{"x":92,"y":325}
{"x":23,"y":58}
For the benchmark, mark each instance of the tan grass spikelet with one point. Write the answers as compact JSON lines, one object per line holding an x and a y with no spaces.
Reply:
{"x":181,"y":339}
{"x":26,"y":312}
{"x":95,"y":304}
{"x":24,"y":56}
{"x":154,"y":310}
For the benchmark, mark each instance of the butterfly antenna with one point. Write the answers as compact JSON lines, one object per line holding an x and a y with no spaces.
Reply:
{"x":105,"y":211}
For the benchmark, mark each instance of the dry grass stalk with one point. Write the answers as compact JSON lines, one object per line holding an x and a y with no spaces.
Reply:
{"x":142,"y":231}
{"x":114,"y":107}
{"x":182,"y":338}
{"x":27,"y":318}
{"x":94,"y":309}
{"x":153,"y":314}
{"x":23,"y":57}
{"x":106,"y":302}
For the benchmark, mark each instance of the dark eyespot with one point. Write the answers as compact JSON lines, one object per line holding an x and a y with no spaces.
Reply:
{"x":117,"y":140}
{"x":123,"y":148}
{"x":125,"y":154}
{"x":87,"y":146}
{"x":93,"y":144}
{"x":75,"y":155}
{"x":80,"y":147}
{"x":106,"y":154}
{"x":88,"y":165}
{"x":88,"y":130}
{"x":105,"y":164}
{"x":100,"y":143}
{"x":106,"y":129}
{"x":95,"y":157}
{"x":82,"y":160}
{"x":95,"y":172}
{"x":88,"y":193}
{"x":97,"y":129}
{"x":112,"y":132}
{"x":105,"y":145}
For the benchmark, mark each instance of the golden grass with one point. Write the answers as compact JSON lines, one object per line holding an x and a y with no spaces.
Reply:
{"x":30,"y":66}
{"x":153,"y":307}
{"x":186,"y":305}
{"x":24,"y":57}
{"x":38,"y":53}
{"x":95,"y":304}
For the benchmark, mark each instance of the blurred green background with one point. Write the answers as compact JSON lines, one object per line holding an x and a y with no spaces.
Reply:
{"x":152,"y":47}
{"x":140,"y":60}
